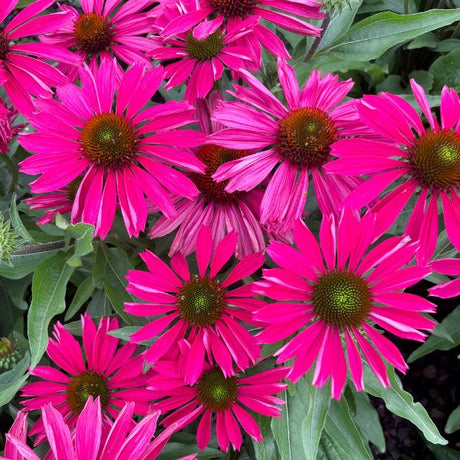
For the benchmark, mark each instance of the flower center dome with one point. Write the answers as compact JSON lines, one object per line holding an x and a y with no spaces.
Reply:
{"x":234,"y":8}
{"x":215,"y":391}
{"x":214,"y":156}
{"x":435,"y":159}
{"x":341,"y":299}
{"x":305,"y":137}
{"x":108,"y":140}
{"x":92,"y":33}
{"x":201,"y":301}
{"x":204,"y":49}
{"x":4,"y":45}
{"x":84,"y":385}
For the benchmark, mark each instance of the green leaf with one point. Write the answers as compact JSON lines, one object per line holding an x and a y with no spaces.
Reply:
{"x":367,"y":420}
{"x":110,"y":271}
{"x":16,"y":221}
{"x":401,"y":403}
{"x":124,"y":332}
{"x":446,"y":70}
{"x":453,"y":422}
{"x":340,"y":22}
{"x":343,"y":432}
{"x":306,"y":408}
{"x":48,"y":299}
{"x":83,"y":234}
{"x":266,"y":449}
{"x":11,"y":381}
{"x":371,"y":37}
{"x":443,"y":452}
{"x":435,"y":342}
{"x":24,"y":264}
{"x":84,"y":292}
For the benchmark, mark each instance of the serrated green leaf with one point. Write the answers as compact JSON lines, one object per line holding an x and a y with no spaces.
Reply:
{"x":343,"y":432}
{"x":401,"y":403}
{"x":453,"y":422}
{"x":11,"y":381}
{"x":434,"y":342}
{"x":371,"y":37}
{"x":49,"y":284}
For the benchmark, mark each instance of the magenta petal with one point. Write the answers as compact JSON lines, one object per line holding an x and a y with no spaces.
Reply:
{"x":203,"y":434}
{"x":88,"y":430}
{"x":247,"y":422}
{"x":354,"y":362}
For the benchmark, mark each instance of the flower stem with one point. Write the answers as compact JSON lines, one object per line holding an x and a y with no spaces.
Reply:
{"x":406,"y":6}
{"x":318,"y":39}
{"x":37,"y":248}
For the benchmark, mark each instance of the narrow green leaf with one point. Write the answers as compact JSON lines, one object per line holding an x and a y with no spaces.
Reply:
{"x":343,"y":432}
{"x":435,"y":342}
{"x":443,"y":452}
{"x":84,"y":292}
{"x":48,"y":299}
{"x":401,"y":403}
{"x":453,"y":422}
{"x":371,"y":37}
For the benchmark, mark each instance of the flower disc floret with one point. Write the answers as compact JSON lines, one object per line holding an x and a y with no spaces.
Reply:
{"x":341,"y":299}
{"x":215,"y":391}
{"x":214,"y":156}
{"x":108,"y":140}
{"x":92,"y":33}
{"x":201,"y":301}
{"x":234,"y":8}
{"x":84,"y":385}
{"x":306,"y":136}
{"x":435,"y":159}
{"x":204,"y":49}
{"x":4,"y":45}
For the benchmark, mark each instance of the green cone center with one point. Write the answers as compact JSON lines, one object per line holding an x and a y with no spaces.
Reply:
{"x":341,"y":299}
{"x":201,"y":301}
{"x":204,"y":49}
{"x":435,"y":159}
{"x":215,"y":391}
{"x":84,"y":385}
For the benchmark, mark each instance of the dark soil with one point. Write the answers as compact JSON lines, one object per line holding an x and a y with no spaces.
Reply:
{"x":433,"y":380}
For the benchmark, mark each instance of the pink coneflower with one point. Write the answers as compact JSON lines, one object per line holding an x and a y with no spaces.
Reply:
{"x":92,"y":438}
{"x":7,"y":130}
{"x":104,"y":370}
{"x":219,"y":395}
{"x":106,"y":28}
{"x":23,"y":70}
{"x":201,"y":307}
{"x":122,"y":151}
{"x":423,"y":159}
{"x":201,"y":53}
{"x":449,"y":288}
{"x":341,"y":295}
{"x":222,"y":212}
{"x":231,"y":13}
{"x":294,"y":141}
